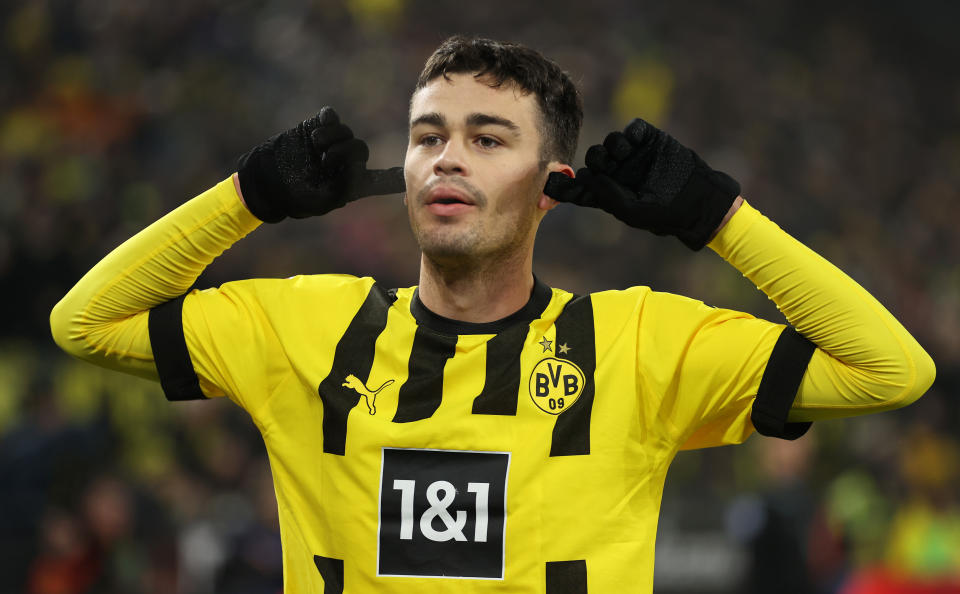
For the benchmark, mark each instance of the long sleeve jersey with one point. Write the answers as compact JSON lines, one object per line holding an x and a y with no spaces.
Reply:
{"x":412,"y":452}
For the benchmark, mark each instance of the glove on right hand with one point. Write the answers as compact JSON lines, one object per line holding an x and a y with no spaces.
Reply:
{"x":311,"y":169}
{"x":648,"y":180}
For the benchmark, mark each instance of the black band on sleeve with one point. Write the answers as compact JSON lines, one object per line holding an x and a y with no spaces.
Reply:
{"x":177,"y":377}
{"x":779,"y":386}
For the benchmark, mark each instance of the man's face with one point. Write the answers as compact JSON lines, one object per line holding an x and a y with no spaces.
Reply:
{"x":473,"y":172}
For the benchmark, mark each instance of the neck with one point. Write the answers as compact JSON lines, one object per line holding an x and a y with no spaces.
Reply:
{"x":477,"y":292}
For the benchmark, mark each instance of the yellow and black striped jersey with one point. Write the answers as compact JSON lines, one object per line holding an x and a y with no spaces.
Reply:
{"x":413,"y":453}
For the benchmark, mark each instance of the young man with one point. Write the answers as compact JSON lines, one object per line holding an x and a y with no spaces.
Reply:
{"x":482,"y":432}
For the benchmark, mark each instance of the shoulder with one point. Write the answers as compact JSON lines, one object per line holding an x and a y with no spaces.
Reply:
{"x":645,"y":298}
{"x":300,"y":286}
{"x":318,"y":292}
{"x":620,"y":303}
{"x":658,"y":309}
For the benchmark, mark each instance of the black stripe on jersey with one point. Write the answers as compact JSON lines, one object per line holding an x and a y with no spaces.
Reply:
{"x":567,"y":577}
{"x":331,"y":570}
{"x":571,"y":433}
{"x":779,"y":385}
{"x":174,"y":366}
{"x":420,"y":395}
{"x":501,"y":385}
{"x":353,"y":356}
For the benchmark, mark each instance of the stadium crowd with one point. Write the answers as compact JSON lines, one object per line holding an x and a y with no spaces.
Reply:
{"x":844,"y":129}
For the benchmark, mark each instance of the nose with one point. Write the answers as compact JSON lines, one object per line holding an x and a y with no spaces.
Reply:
{"x":451,"y":161}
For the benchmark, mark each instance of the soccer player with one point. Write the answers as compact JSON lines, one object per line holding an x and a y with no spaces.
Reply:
{"x":483,"y":432}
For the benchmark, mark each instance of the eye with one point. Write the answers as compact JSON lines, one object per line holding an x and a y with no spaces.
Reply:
{"x":488,"y":142}
{"x":429,"y":140}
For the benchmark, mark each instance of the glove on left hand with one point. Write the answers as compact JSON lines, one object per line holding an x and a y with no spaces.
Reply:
{"x":310,"y":170}
{"x":648,"y":180}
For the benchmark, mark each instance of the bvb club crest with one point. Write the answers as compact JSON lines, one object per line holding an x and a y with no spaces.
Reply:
{"x":555,"y":384}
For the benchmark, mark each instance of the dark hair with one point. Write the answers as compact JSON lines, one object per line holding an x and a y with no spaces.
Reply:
{"x":561,"y":111}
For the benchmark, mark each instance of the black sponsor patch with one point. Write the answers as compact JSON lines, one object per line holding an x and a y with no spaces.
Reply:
{"x":442,"y":513}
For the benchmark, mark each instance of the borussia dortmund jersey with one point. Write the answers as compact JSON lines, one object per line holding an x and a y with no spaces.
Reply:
{"x":413,"y":453}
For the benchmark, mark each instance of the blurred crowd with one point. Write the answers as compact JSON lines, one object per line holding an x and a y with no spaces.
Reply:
{"x":841,"y":122}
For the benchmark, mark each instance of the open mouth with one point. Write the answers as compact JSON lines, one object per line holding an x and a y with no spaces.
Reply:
{"x":447,"y":200}
{"x":445,"y":205}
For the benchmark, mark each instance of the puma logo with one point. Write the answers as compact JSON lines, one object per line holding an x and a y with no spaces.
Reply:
{"x":370,"y":397}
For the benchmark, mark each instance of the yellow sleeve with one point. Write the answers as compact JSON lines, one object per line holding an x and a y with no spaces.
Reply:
{"x":252,"y":339}
{"x":700,"y":368}
{"x":865,"y":361}
{"x":103,"y":319}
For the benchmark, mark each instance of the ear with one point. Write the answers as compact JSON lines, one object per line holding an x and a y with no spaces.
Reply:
{"x":546,"y":202}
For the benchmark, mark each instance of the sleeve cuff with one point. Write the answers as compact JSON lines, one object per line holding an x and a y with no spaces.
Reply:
{"x":243,"y":219}
{"x":738,"y":225}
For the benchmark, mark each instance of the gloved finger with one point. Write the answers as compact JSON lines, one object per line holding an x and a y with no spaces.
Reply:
{"x":327,"y":116}
{"x":641,"y":133}
{"x":562,"y":188}
{"x":344,"y":154}
{"x":575,"y":191}
{"x":326,"y":136}
{"x":558,"y":185}
{"x":633,"y":171}
{"x":377,"y":182}
{"x":349,"y":180}
{"x":609,"y":191}
{"x":620,"y":201}
{"x":587,"y":195}
{"x":598,"y":161}
{"x":617,"y":145}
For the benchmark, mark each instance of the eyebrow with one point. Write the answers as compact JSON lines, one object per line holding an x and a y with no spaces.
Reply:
{"x":430,"y":119}
{"x":474,"y":119}
{"x":483,"y":119}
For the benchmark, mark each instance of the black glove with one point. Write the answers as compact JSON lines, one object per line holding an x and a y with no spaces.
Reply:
{"x":310,"y":170}
{"x":647,"y":179}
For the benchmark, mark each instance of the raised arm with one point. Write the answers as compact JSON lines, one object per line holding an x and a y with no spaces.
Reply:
{"x":308,"y":170}
{"x":103,"y":318}
{"x":864,"y":360}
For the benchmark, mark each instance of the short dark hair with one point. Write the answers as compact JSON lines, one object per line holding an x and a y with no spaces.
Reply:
{"x":561,"y":110}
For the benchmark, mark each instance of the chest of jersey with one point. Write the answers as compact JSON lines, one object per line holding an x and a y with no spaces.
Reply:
{"x":477,"y":457}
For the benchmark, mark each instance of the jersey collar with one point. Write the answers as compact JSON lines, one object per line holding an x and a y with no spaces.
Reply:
{"x":539,"y":299}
